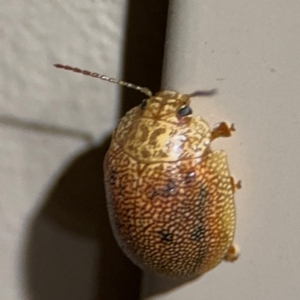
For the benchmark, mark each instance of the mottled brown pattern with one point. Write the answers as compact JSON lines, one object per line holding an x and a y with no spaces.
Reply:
{"x":169,"y":137}
{"x":174,"y":216}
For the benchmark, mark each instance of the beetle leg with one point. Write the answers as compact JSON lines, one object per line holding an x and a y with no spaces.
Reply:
{"x":235,"y":185}
{"x":232,"y":254}
{"x":222,"y":130}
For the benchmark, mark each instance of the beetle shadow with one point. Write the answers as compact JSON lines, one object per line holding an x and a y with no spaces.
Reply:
{"x":57,"y":265}
{"x":159,"y":284}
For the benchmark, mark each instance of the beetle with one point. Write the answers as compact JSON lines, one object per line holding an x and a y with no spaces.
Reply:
{"x":170,"y":197}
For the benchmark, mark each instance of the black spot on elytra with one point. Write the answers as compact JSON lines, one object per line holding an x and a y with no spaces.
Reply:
{"x":154,"y":193}
{"x":165,"y":236}
{"x":117,"y":223}
{"x":203,"y":195}
{"x":164,"y":191}
{"x":170,"y":189}
{"x":198,"y":233}
{"x":113,"y":176}
{"x":190,"y":177}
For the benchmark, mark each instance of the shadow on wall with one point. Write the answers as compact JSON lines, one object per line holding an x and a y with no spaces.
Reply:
{"x":72,"y":222}
{"x":57,"y":265}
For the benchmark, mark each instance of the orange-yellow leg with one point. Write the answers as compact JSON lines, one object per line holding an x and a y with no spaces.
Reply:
{"x":232,"y":254}
{"x":235,"y":185}
{"x":222,"y":130}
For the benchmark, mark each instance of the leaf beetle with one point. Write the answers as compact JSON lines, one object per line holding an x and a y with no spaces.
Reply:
{"x":170,"y":197}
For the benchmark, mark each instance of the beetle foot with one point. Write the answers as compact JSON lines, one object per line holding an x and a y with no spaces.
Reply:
{"x":232,"y":254}
{"x":235,"y":185}
{"x":222,"y":130}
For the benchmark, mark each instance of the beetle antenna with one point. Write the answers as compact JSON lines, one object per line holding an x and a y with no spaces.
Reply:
{"x":207,"y":93}
{"x":144,"y":90}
